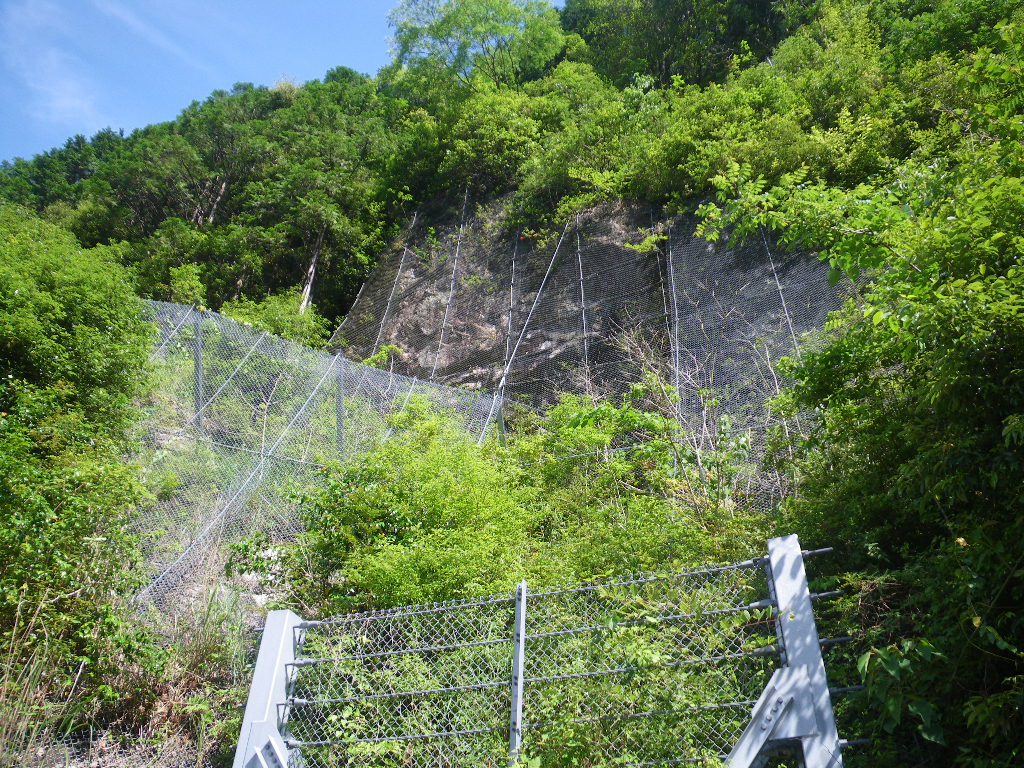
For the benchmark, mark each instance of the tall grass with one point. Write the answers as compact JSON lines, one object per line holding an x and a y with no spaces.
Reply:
{"x":209,"y":677}
{"x":48,"y":716}
{"x":37,"y":708}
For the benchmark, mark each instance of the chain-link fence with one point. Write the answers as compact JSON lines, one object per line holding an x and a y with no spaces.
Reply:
{"x":643,"y":670}
{"x":722,"y":663}
{"x":424,"y":685}
{"x":238,"y":420}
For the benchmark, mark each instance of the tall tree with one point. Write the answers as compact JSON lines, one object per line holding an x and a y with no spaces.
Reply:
{"x":321,"y":191}
{"x":693,"y":39}
{"x":505,"y":42}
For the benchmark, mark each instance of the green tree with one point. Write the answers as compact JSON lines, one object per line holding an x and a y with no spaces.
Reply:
{"x":279,"y":315}
{"x":74,"y":342}
{"x":505,"y":42}
{"x":431,"y":515}
{"x":915,"y":466}
{"x":320,"y":198}
{"x":691,"y":39}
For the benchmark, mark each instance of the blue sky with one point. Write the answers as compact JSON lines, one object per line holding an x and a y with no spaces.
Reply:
{"x":77,"y":66}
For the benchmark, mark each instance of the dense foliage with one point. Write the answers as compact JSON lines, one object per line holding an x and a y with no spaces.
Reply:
{"x":592,"y":488}
{"x":74,"y":343}
{"x":885,"y":134}
{"x":258,"y":190}
{"x":916,"y":465}
{"x":73,"y":651}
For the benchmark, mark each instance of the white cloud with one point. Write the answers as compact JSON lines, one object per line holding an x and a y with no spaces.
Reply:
{"x":150,"y":33}
{"x":64,"y":95}
{"x":60,"y":92}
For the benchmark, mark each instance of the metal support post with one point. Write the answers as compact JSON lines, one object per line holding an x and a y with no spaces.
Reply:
{"x":796,"y":703}
{"x":223,"y":384}
{"x":499,"y":418}
{"x":515,"y":738}
{"x":261,"y":744}
{"x":583,"y":300}
{"x":340,"y":405}
{"x":197,"y":370}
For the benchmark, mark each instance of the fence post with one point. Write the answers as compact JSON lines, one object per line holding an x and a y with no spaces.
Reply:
{"x":340,"y":405}
{"x":260,"y":744}
{"x":500,"y":419}
{"x":802,"y":648}
{"x":795,"y":703}
{"x":197,"y":370}
{"x":515,"y":739}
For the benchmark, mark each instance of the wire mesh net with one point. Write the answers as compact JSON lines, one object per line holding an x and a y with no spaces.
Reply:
{"x":734,"y":314}
{"x":238,"y":421}
{"x":643,"y":670}
{"x":481,"y":306}
{"x":240,"y":418}
{"x":424,"y":685}
{"x":646,"y":671}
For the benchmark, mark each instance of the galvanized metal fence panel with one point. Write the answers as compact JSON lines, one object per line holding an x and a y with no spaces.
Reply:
{"x":646,"y":670}
{"x":423,"y":685}
{"x":650,"y":669}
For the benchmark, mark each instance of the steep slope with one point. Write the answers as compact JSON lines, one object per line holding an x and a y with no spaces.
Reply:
{"x":483,"y":306}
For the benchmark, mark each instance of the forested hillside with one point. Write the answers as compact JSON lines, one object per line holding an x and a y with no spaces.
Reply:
{"x":885,"y":135}
{"x":259,"y":191}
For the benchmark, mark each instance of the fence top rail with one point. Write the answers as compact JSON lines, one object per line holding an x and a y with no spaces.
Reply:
{"x":409,"y":610}
{"x":509,"y":597}
{"x":646,"y":578}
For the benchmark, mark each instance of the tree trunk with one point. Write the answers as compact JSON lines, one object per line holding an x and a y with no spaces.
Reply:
{"x":240,"y":283}
{"x":216,"y":201}
{"x":307,"y":283}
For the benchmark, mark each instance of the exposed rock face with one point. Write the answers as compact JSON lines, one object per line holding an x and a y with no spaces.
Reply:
{"x":480,"y":306}
{"x":480,"y":303}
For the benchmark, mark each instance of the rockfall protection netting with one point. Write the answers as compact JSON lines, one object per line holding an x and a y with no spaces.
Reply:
{"x":238,"y":421}
{"x":651,"y":669}
{"x":479,"y":306}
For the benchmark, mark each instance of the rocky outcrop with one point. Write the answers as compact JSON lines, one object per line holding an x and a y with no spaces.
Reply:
{"x":481,"y":305}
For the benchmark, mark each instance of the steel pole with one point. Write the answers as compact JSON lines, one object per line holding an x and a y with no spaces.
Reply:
{"x":515,"y":739}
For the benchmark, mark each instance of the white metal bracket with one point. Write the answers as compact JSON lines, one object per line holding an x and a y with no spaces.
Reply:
{"x":261,"y":744}
{"x":795,"y":705}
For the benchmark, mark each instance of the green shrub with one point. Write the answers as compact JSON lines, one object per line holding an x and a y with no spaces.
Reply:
{"x":430,"y":515}
{"x":74,"y":341}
